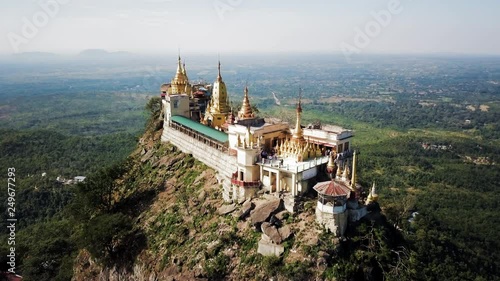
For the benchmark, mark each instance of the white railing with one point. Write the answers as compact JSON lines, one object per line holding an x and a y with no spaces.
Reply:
{"x":294,"y":166}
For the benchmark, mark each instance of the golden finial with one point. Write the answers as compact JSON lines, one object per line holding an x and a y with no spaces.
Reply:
{"x":331,"y":162}
{"x":373,"y":196}
{"x":345,"y":176}
{"x":339,"y":172}
{"x":331,"y":168}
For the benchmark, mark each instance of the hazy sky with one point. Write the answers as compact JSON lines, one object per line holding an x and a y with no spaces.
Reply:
{"x":163,"y":26}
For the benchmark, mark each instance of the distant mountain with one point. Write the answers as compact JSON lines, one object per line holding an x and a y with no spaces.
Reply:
{"x":93,"y":52}
{"x":102,"y":53}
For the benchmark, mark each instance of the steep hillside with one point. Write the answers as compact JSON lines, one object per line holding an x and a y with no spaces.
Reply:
{"x":164,"y":219}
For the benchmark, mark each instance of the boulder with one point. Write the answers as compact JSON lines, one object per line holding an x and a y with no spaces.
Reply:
{"x":146,"y":156}
{"x":226,"y":209}
{"x":285,"y":232}
{"x":275,"y":221}
{"x":202,"y":195}
{"x":245,"y":209}
{"x":264,"y":211}
{"x":271,"y":232}
{"x":282,"y":215}
{"x":274,"y":234}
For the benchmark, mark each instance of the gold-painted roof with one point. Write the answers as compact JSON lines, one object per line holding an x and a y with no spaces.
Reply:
{"x":180,"y":77}
{"x":220,"y":101}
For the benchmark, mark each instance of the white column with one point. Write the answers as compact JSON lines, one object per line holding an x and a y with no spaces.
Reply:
{"x":261,"y":175}
{"x":278,"y":187}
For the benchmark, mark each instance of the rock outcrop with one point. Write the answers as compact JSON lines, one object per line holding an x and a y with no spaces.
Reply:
{"x":263,"y":212}
{"x":245,"y":209}
{"x":226,"y":209}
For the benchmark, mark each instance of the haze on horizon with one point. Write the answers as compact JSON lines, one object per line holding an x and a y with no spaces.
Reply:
{"x":253,"y":26}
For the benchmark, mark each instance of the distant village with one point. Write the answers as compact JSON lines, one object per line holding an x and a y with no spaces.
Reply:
{"x":74,"y":180}
{"x":63,"y":180}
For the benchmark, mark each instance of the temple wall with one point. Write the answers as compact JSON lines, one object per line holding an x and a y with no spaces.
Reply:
{"x":220,"y":161}
{"x":336,"y":223}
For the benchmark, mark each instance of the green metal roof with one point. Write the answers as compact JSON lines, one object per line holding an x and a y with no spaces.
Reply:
{"x":200,"y":128}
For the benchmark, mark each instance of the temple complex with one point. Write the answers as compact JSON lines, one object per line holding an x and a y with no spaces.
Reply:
{"x":254,"y":155}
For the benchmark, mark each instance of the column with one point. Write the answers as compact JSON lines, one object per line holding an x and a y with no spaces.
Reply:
{"x":261,"y":175}
{"x":278,"y":187}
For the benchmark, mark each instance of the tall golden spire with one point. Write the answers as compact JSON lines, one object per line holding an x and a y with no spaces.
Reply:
{"x":353,"y":177}
{"x":298,"y":134}
{"x":219,"y":103}
{"x":246,"y":109}
{"x":219,"y":77}
{"x":179,"y":65}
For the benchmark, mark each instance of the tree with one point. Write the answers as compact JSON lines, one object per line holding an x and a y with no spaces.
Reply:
{"x":103,"y":236}
{"x":154,"y":107}
{"x":96,"y":193}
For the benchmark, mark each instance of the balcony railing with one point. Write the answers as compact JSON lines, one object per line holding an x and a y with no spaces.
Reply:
{"x":293,"y":166}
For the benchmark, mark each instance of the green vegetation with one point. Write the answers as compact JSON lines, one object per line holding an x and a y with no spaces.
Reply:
{"x":86,"y":125}
{"x":33,"y":152}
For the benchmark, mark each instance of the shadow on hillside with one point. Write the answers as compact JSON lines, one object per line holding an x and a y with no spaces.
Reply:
{"x":136,"y":241}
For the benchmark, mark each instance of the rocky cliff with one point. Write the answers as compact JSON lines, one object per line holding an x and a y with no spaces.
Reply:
{"x":182,"y":229}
